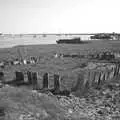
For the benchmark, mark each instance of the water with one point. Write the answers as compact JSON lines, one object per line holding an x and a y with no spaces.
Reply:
{"x":12,"y":40}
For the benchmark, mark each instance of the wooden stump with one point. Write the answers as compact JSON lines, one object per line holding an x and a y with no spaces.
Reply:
{"x":56,"y":82}
{"x":29,"y":74}
{"x":45,"y":81}
{"x":34,"y":80}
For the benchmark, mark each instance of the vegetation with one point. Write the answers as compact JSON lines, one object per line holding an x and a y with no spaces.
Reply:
{"x":22,"y":102}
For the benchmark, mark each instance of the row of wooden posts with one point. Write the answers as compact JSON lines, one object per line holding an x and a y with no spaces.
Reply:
{"x":99,"y":76}
{"x":90,"y":78}
{"x":32,"y":79}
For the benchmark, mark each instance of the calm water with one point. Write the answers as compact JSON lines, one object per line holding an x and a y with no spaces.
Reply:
{"x":12,"y":40}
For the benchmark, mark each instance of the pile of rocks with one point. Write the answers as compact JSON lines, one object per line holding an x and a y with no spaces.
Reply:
{"x":27,"y":117}
{"x":100,"y":105}
{"x":31,"y":116}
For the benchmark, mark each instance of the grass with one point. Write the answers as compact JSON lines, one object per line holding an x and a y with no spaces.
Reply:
{"x":19,"y":100}
{"x":68,"y":68}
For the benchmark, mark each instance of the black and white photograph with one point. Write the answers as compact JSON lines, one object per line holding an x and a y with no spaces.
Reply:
{"x":59,"y":60}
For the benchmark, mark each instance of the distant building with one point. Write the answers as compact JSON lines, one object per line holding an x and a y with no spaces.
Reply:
{"x":101,"y":36}
{"x":106,"y":36}
{"x":115,"y":36}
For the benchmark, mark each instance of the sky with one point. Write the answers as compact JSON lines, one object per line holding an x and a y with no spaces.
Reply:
{"x":59,"y":16}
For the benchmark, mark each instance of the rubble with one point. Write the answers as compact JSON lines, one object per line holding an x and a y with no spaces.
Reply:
{"x":100,"y":105}
{"x":31,"y":116}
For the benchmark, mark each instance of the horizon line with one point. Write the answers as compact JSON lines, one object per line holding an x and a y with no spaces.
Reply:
{"x":59,"y":33}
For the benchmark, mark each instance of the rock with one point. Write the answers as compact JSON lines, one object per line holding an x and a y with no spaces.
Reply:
{"x":70,"y":111}
{"x":100,"y":112}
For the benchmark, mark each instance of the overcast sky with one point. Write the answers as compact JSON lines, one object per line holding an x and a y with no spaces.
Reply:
{"x":58,"y":16}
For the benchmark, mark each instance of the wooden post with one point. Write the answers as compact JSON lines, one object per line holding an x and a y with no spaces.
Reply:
{"x":56,"y":82}
{"x":34,"y":80}
{"x":19,"y":76}
{"x":45,"y":81}
{"x":26,"y":80}
{"x":1,"y":76}
{"x":114,"y":69}
{"x":117,"y":70}
{"x":85,"y":78}
{"x":107,"y":75}
{"x":99,"y":79}
{"x":29,"y":74}
{"x":81,"y":82}
{"x":111,"y":75}
{"x":91,"y":77}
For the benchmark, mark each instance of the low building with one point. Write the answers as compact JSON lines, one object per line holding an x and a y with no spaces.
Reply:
{"x":105,"y":36}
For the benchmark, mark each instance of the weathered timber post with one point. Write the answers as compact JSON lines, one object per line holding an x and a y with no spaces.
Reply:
{"x":26,"y":80}
{"x":106,"y":75}
{"x":2,"y":113}
{"x":117,"y":70}
{"x":56,"y":82}
{"x":93,"y":82}
{"x":114,"y":69}
{"x":99,"y":79}
{"x":102,"y":75}
{"x":34,"y":80}
{"x":45,"y":81}
{"x":19,"y":76}
{"x":1,"y":76}
{"x":85,"y":78}
{"x":91,"y":77}
{"x":29,"y":74}
{"x":111,"y":75}
{"x":80,"y":83}
{"x":110,"y":72}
